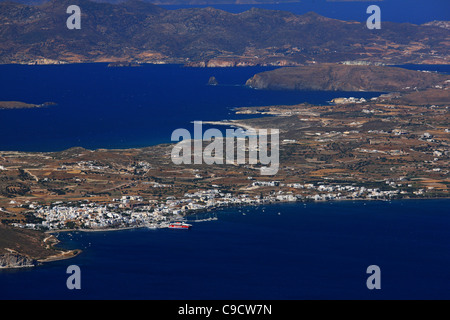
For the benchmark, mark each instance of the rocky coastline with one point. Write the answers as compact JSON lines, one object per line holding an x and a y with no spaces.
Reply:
{"x":11,"y":260}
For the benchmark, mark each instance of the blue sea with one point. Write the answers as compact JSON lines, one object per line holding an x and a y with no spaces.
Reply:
{"x":284,"y":251}
{"x":288,"y":251}
{"x":101,"y":107}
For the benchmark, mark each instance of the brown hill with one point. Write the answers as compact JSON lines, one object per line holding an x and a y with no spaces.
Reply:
{"x":338,"y":77}
{"x":26,"y":248}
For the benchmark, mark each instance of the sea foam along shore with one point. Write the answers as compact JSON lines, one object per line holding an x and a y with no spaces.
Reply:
{"x":230,"y":123}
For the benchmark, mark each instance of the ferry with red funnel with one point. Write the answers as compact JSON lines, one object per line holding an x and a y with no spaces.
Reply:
{"x":179,"y":225}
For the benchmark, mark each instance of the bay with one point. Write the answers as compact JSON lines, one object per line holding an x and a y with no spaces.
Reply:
{"x":114,"y":108}
{"x":281,"y":251}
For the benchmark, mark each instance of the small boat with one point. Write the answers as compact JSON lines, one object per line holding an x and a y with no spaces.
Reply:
{"x":179,"y":225}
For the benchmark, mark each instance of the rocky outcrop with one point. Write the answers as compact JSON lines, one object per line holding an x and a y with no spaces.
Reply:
{"x":16,"y":260}
{"x":21,"y":248}
{"x":213,"y":81}
{"x":220,"y":63}
{"x":123,"y":64}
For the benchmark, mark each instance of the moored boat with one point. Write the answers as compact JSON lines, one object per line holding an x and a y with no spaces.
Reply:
{"x":179,"y":225}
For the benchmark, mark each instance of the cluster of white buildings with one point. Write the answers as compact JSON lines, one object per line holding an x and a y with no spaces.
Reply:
{"x":90,"y":216}
{"x":331,"y":192}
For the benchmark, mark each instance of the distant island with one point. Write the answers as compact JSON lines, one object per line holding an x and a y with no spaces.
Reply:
{"x":23,"y":105}
{"x":213,"y":81}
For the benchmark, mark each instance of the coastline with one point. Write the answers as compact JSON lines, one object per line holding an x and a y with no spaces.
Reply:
{"x":62,"y":256}
{"x":183,"y":63}
{"x":13,"y":260}
{"x":229,"y":123}
{"x":241,"y":206}
{"x":94,"y":230}
{"x":68,"y":254}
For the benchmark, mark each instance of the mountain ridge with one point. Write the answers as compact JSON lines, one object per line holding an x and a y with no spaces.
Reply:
{"x":138,"y":31}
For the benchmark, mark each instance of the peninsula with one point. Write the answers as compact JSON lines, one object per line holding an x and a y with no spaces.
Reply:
{"x":24,"y":248}
{"x":342,"y":77}
{"x":389,"y":147}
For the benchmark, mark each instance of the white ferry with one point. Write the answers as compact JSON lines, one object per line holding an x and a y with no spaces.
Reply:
{"x":179,"y":225}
